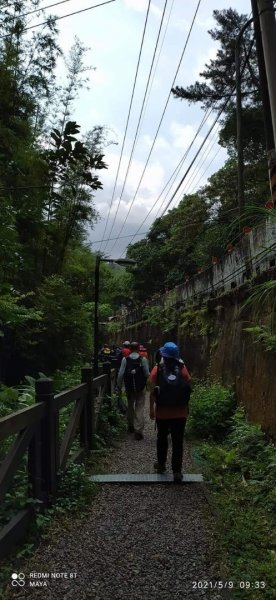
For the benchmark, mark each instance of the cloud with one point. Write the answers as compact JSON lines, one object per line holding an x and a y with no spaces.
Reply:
{"x":205,"y":24}
{"x":181,"y":25}
{"x":182,"y":135}
{"x":156,"y":10}
{"x":160,"y":144}
{"x":142,"y":5}
{"x":151,"y":184}
{"x":99,"y":77}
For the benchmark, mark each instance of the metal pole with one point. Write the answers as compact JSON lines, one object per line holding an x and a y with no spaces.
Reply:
{"x":268,"y":32}
{"x":239,"y":128}
{"x":268,"y":128}
{"x":96,"y":319}
{"x":239,"y":121}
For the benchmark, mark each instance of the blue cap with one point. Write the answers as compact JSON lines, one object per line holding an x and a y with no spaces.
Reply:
{"x":169,"y":350}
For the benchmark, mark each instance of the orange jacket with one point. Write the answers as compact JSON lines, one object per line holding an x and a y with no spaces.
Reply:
{"x":165,"y":412}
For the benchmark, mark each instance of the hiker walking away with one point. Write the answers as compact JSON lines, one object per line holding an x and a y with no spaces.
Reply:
{"x":143,"y":351}
{"x":134,"y":371}
{"x":169,"y":398}
{"x":105,"y":352}
{"x":126,"y":349}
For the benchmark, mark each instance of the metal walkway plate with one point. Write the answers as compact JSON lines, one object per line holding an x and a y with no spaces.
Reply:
{"x":145,"y":478}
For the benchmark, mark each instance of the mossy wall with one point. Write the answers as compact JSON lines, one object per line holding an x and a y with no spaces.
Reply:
{"x":214,"y":344}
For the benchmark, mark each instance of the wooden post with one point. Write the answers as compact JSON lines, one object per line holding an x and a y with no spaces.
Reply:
{"x":88,"y":418}
{"x":49,"y":440}
{"x":107,"y":371}
{"x":35,"y":466}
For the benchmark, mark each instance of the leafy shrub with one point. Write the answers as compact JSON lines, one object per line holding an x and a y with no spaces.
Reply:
{"x":242,"y":476}
{"x":75,"y":489}
{"x":68,"y":378}
{"x":211,"y":407}
{"x":111,"y":420}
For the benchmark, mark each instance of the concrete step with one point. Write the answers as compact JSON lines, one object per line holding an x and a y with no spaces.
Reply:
{"x":145,"y":478}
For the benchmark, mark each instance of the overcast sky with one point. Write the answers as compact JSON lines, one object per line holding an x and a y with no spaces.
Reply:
{"x":114,"y":33}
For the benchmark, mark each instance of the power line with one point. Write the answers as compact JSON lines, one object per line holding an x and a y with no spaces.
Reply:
{"x":140,"y":116}
{"x":121,"y":238}
{"x":182,"y":161}
{"x":58,"y":18}
{"x":210,"y":130}
{"x":202,"y":175}
{"x":194,"y":159}
{"x":129,"y":111}
{"x":31,"y":12}
{"x":175,"y":172}
{"x":160,"y":122}
{"x":193,"y":175}
{"x":225,"y":104}
{"x":146,"y":232}
{"x":156,"y":64}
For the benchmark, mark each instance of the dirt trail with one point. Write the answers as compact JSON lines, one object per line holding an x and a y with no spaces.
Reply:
{"x":139,"y":542}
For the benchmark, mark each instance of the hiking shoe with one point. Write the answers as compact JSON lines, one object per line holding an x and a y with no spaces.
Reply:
{"x":130,"y":429}
{"x":159,"y":468}
{"x":177,"y":477}
{"x":138,"y":436}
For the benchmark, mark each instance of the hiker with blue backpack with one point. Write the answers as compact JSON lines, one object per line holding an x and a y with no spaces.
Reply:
{"x":169,"y":398}
{"x":134,"y":372}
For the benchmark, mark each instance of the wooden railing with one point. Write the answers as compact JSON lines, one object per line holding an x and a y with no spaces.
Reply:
{"x":37,"y":433}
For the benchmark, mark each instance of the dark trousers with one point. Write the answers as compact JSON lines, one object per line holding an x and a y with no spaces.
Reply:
{"x":176,"y":428}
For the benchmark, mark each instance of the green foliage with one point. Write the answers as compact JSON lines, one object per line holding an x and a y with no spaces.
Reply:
{"x":164,"y":317}
{"x":263,"y":300}
{"x":64,"y":336}
{"x":242,"y":478}
{"x":111,"y":421}
{"x":195,"y":322}
{"x":211,"y":407}
{"x":70,"y":377}
{"x":13,"y":313}
{"x":48,"y":178}
{"x":263,"y":335}
{"x":75,"y":489}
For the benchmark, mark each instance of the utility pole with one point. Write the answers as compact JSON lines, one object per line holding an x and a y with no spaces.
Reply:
{"x":269,"y":139}
{"x":268,"y":32}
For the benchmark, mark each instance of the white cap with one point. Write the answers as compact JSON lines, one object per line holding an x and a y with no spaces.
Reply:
{"x":126,"y":343}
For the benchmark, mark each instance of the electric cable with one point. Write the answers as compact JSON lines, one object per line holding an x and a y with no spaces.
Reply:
{"x":156,"y":64}
{"x":193,"y":175}
{"x":37,"y":10}
{"x":210,"y":130}
{"x":160,"y":122}
{"x":128,"y":116}
{"x":58,"y":18}
{"x":146,"y":232}
{"x":139,"y":121}
{"x":225,"y":104}
{"x":207,"y":168}
{"x":175,"y":172}
{"x":207,"y":114}
{"x":121,"y":238}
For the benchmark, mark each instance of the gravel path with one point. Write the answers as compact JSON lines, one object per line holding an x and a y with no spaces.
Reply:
{"x":141,"y":542}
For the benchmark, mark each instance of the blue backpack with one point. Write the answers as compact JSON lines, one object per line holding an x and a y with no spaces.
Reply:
{"x":172,"y":390}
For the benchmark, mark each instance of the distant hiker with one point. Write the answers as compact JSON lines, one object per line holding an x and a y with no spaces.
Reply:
{"x":115,"y":351}
{"x":134,"y":371}
{"x":126,"y":349}
{"x":105,"y":352}
{"x":169,"y":398}
{"x":143,"y":351}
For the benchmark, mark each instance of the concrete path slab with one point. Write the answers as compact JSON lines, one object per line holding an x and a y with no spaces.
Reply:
{"x":145,"y":478}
